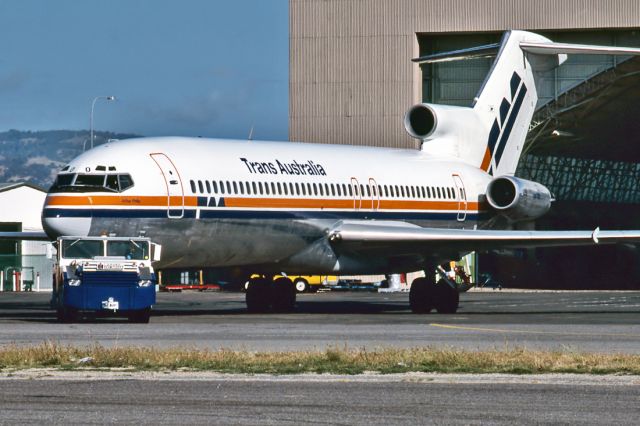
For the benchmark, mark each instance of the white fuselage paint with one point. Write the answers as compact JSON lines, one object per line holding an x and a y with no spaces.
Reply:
{"x":177,"y":199}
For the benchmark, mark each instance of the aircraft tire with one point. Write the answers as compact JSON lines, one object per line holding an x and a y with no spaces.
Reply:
{"x":421,"y":296}
{"x":283,"y":293}
{"x":302,"y":285}
{"x":258,"y":295}
{"x":67,"y":314}
{"x":140,"y":316}
{"x":447,"y":298}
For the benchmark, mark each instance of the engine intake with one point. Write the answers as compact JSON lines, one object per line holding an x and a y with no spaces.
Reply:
{"x":431,"y":121}
{"x":420,"y":121}
{"x":518,"y":199}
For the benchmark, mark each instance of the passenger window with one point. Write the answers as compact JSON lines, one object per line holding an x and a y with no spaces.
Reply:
{"x":200,"y":187}
{"x":297,"y":189}
{"x":235,"y":187}
{"x":248,"y":186}
{"x":221,"y":187}
{"x":413,"y":192}
{"x":338,"y":189}
{"x":320,"y":188}
{"x":215,"y":186}
{"x":279,"y":188}
{"x":193,"y":186}
{"x":260,"y":188}
{"x":228,"y":187}
{"x":439,"y":194}
{"x":208,"y":185}
{"x":315,"y":189}
{"x":255,"y":188}
{"x":266,"y":188}
{"x":273,"y":188}
{"x":368,"y":191}
{"x":241,"y":187}
{"x":350,"y":190}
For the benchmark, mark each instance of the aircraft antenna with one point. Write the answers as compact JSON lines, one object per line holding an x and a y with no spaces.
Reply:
{"x":251,"y":133}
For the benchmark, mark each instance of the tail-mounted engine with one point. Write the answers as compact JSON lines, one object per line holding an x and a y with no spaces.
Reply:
{"x":430,"y":121}
{"x":518,"y":199}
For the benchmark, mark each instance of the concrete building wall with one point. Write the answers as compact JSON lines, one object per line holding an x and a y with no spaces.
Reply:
{"x":351,"y":78}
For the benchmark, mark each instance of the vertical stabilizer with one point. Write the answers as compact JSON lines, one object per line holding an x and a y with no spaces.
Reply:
{"x":507,"y":100}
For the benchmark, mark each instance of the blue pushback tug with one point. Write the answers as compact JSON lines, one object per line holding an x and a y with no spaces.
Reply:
{"x":105,"y":276}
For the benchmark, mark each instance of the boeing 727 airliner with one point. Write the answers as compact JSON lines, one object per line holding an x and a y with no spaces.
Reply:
{"x":281,"y":207}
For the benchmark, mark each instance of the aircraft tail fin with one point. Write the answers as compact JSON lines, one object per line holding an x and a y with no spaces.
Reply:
{"x":492,"y":132}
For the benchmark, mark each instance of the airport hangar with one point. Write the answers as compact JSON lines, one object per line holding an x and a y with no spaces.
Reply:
{"x":351,"y":81}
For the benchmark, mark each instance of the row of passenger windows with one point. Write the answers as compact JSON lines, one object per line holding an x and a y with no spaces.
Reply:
{"x":320,"y":189}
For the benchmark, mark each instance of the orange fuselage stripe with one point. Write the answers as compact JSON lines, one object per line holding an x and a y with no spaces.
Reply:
{"x":244,"y":202}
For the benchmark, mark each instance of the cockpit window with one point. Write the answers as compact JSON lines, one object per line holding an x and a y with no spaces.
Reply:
{"x":112,"y":182}
{"x":90,"y":180}
{"x":125,"y":182}
{"x":91,"y":183}
{"x":64,"y":179}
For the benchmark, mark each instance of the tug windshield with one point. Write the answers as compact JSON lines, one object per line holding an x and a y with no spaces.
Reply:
{"x":132,"y":249}
{"x":81,"y":249}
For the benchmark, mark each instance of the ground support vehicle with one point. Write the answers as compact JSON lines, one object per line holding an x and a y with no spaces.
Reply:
{"x":104,"y":276}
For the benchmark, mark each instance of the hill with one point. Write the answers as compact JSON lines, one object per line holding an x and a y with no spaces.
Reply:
{"x":36,"y":157}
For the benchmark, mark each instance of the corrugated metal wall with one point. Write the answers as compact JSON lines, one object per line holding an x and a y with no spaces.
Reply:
{"x":350,"y":75}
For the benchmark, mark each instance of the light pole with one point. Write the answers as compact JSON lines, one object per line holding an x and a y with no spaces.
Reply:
{"x":93,"y":104}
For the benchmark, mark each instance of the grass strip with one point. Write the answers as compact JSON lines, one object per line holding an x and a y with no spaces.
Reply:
{"x":332,"y":360}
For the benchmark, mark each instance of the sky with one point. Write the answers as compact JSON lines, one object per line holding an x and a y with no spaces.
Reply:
{"x":211,"y":68}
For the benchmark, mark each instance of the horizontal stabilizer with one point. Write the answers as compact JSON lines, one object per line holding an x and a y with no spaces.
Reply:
{"x":485,"y":51}
{"x":568,"y":48}
{"x":26,"y":235}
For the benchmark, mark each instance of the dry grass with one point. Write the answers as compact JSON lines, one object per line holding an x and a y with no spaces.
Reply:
{"x":332,"y":360}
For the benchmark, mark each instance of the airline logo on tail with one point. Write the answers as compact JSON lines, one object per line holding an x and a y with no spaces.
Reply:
{"x":503,"y":124}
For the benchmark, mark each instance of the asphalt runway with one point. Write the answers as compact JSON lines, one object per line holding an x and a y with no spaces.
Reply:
{"x":409,"y":399}
{"x":582,"y":321}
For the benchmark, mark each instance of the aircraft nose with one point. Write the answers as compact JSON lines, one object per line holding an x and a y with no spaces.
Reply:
{"x":60,"y":221}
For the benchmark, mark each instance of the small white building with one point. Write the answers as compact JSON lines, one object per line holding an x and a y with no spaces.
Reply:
{"x":20,"y":210}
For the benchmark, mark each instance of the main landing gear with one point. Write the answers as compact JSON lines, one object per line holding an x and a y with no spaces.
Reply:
{"x":264,"y":295}
{"x":426,"y":295}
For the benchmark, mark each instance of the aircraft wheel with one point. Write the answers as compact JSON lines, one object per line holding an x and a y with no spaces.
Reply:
{"x":421,"y":296}
{"x":67,"y":314}
{"x":302,"y":285}
{"x":283,"y":293}
{"x":258,"y":295}
{"x":447,"y":298}
{"x":140,"y":316}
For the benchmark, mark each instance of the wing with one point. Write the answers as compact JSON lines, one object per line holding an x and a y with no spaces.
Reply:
{"x":25,"y":235}
{"x":398,"y":238}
